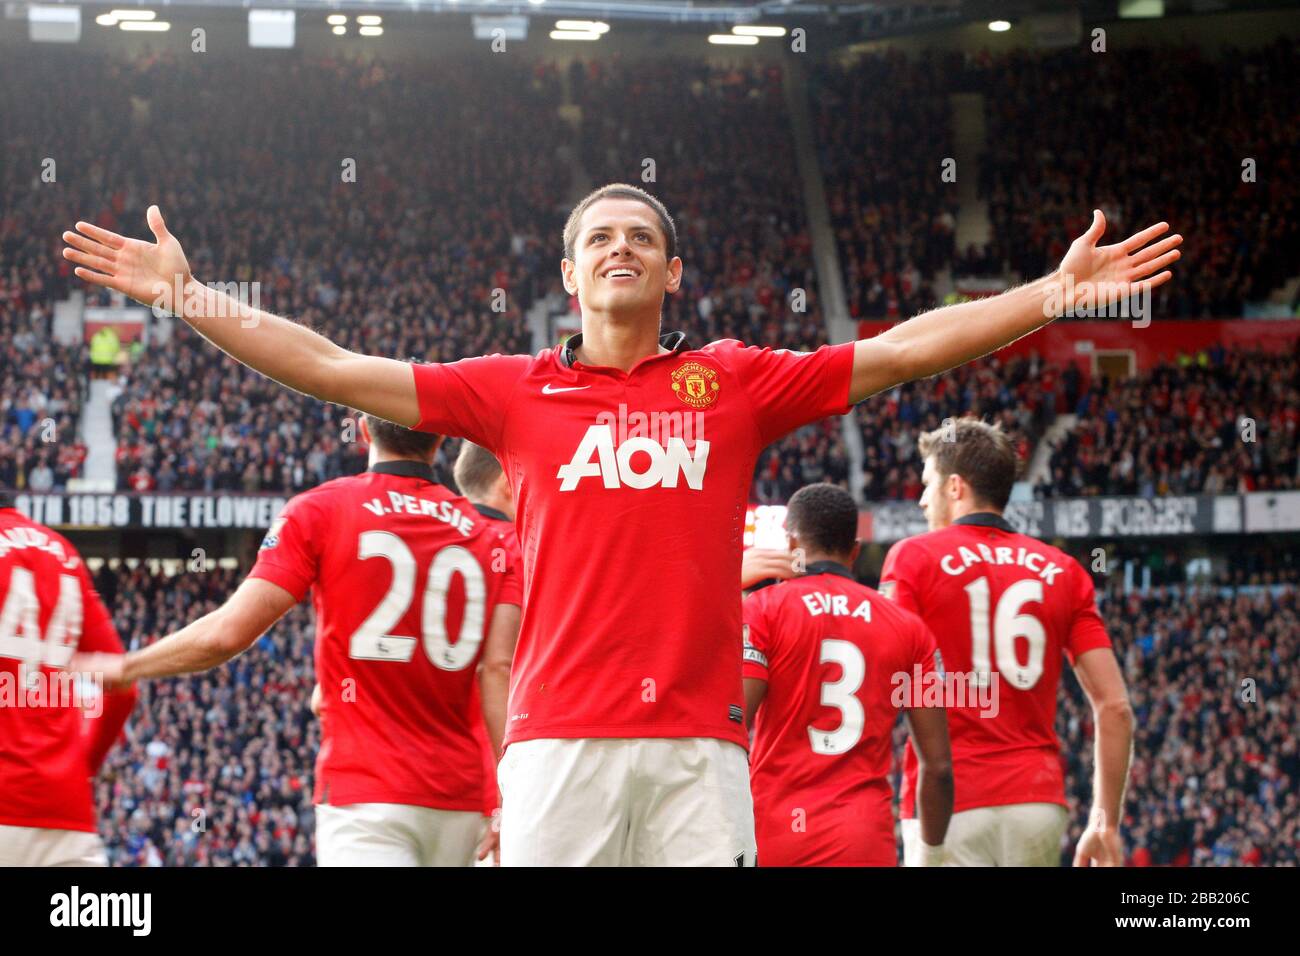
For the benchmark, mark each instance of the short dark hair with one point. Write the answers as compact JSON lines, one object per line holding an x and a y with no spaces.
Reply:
{"x":982,"y":454}
{"x":618,"y":191}
{"x":398,"y":440}
{"x":475,"y":470}
{"x":824,"y":518}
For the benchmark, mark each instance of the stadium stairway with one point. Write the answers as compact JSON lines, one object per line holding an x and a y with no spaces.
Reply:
{"x":840,"y":326}
{"x":1040,"y":463}
{"x":97,"y":433}
{"x":973,"y":225}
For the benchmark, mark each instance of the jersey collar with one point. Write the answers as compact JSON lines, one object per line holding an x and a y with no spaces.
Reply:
{"x":404,"y":469}
{"x":828,"y":567}
{"x":672,"y":341}
{"x":986,"y":519}
{"x":492,"y":513}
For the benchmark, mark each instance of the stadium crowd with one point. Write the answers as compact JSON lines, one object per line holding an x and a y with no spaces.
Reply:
{"x":41,"y":385}
{"x":883,"y":124}
{"x":215,"y":769}
{"x":1211,"y":138}
{"x":1213,"y":680}
{"x":1217,"y":422}
{"x":326,"y":202}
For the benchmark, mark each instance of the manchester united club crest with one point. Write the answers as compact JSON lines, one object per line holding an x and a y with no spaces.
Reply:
{"x":696,"y":384}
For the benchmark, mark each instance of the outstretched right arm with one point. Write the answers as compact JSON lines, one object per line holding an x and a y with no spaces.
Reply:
{"x":157,"y":274}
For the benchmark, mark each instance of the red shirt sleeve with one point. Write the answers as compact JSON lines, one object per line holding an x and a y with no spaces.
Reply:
{"x":789,"y":389}
{"x":757,"y":637}
{"x":1087,"y":631}
{"x":902,"y":575}
{"x":469,"y":398}
{"x":290,"y":552}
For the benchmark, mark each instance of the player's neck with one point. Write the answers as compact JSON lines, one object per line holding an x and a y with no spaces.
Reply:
{"x":819,"y":557}
{"x":378,"y":458}
{"x":615,"y":343}
{"x":495,"y":502}
{"x":965,"y":512}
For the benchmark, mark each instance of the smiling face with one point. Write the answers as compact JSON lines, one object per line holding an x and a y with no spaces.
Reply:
{"x":621,"y":266}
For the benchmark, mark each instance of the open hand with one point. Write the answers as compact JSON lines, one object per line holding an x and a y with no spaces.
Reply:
{"x":155,"y":273}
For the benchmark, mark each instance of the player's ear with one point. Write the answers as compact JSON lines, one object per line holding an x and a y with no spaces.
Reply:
{"x":567,"y":270}
{"x":363,"y":427}
{"x":674,"y":275}
{"x":503,"y":487}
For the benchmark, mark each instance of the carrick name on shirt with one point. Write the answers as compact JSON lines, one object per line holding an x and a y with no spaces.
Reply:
{"x":958,"y":561}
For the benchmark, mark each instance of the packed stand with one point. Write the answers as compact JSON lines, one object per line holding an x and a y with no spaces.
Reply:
{"x":1177,"y":152}
{"x":1020,"y":394}
{"x":40,"y":389}
{"x":1218,"y":422}
{"x":402,"y":261}
{"x":883,"y":125}
{"x":1213,"y":680}
{"x":216,"y":768}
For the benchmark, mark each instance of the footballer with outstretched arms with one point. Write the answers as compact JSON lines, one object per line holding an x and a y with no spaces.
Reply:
{"x":50,"y":748}
{"x":630,"y":453}
{"x":412,"y":591}
{"x":825,"y":659}
{"x":1006,"y":608}
{"x":482,"y":481}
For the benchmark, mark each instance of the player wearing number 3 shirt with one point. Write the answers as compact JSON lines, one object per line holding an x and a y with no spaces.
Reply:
{"x":1006,"y":608}
{"x":412,"y":589}
{"x":827,"y":663}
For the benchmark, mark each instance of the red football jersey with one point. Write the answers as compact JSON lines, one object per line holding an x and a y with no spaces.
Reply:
{"x":832,"y":652}
{"x":49,"y":610}
{"x":491,"y":794}
{"x":1006,"y":605}
{"x":631,"y":490}
{"x":404,"y":576}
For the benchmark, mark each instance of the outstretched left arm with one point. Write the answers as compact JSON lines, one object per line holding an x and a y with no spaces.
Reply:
{"x":945,"y":338}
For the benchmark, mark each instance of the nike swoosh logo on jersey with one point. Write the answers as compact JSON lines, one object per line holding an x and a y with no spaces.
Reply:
{"x":548,"y":390}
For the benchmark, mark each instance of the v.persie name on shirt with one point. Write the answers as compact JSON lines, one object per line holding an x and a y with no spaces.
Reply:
{"x":443,"y":511}
{"x":958,"y":561}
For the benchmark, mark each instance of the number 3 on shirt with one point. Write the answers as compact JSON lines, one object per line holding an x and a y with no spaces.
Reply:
{"x":841,"y":694}
{"x":372,"y":642}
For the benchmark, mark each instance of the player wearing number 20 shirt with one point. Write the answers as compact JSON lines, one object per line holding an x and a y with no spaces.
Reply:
{"x":1006,"y":610}
{"x":408,"y":584}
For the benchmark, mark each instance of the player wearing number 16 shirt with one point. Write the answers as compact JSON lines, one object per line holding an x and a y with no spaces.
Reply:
{"x":51,"y":744}
{"x":1006,"y":608}
{"x":412,"y":590}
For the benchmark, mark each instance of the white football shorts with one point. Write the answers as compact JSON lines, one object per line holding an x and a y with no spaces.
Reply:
{"x":626,"y":802}
{"x":395,"y":834}
{"x":36,"y":846}
{"x":1017,"y":834}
